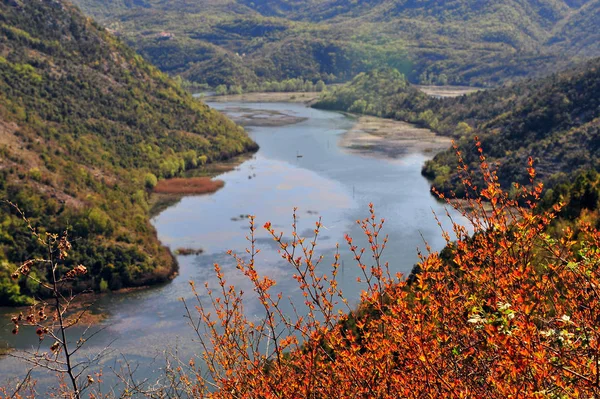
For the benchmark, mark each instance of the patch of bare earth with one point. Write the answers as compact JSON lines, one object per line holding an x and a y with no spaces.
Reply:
{"x":15,"y":146}
{"x":28,"y":160}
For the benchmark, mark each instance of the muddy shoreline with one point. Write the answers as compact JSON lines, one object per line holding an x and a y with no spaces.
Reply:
{"x":447,"y":91}
{"x":249,"y":117}
{"x":379,"y":137}
{"x":288,"y":97}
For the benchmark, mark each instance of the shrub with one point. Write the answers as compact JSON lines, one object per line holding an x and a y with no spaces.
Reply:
{"x":150,"y":181}
{"x":35,"y":174}
{"x":507,"y":311}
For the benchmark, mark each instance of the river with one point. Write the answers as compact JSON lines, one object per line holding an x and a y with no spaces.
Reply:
{"x":298,"y":165}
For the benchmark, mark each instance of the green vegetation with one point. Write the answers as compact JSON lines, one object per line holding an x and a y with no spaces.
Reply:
{"x":382,"y":92}
{"x":246,"y":42}
{"x":555,"y":120}
{"x":86,"y":127}
{"x":288,"y":85}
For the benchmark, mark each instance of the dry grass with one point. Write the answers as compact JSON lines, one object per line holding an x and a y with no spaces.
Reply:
{"x":192,"y":185}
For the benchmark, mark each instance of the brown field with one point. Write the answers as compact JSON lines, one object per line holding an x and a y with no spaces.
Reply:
{"x":192,"y":185}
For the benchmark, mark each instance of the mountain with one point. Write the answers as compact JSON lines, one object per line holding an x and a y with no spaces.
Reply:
{"x":86,"y":126}
{"x":381,"y":92}
{"x":240,"y":42}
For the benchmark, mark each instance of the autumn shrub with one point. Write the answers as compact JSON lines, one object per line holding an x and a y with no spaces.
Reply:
{"x":509,"y":311}
{"x":52,"y":321}
{"x":506,"y":310}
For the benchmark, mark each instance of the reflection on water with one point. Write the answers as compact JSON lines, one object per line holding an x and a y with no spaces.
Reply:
{"x":298,"y":165}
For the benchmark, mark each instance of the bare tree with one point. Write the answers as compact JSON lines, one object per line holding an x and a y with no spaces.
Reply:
{"x":53,"y":317}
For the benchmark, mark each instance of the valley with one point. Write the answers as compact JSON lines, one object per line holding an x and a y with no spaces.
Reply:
{"x":299,"y":199}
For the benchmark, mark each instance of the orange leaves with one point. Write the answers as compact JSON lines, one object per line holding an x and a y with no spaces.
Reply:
{"x":506,"y":312}
{"x":530,"y":168}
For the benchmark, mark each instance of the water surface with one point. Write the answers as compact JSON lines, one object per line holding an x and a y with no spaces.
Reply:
{"x":299,"y":165}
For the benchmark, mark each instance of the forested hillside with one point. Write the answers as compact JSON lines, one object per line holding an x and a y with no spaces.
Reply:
{"x":240,"y":42}
{"x":86,"y":127}
{"x":381,"y":92}
{"x":555,"y":120}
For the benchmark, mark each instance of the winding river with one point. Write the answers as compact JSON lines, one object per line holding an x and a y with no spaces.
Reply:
{"x":299,"y":165}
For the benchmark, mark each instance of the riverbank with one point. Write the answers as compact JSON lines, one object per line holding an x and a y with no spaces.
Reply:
{"x":388,"y":138}
{"x":311,"y":97}
{"x":370,"y":136}
{"x":159,"y":201}
{"x":289,"y":97}
{"x":447,"y":91}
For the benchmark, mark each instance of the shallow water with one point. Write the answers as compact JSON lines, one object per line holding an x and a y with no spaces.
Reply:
{"x":298,"y":165}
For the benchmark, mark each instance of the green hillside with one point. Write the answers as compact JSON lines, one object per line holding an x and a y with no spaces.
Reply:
{"x":578,"y":33}
{"x":85,"y":125}
{"x":555,"y":120}
{"x":242,"y":42}
{"x":381,"y":92}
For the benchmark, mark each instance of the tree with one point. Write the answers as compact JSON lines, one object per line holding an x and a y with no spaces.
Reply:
{"x":442,"y":79}
{"x":221,"y":90}
{"x":320,"y":86}
{"x":235,"y":89}
{"x":463,"y":130}
{"x":150,"y":181}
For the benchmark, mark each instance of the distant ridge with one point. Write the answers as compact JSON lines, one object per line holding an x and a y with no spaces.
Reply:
{"x":462,"y":42}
